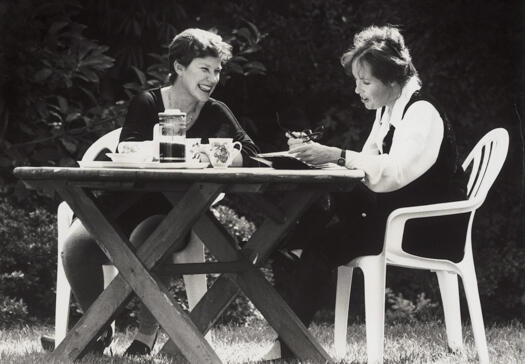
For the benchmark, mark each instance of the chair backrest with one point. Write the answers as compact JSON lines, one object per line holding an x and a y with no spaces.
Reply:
{"x":486,"y":160}
{"x":109,"y":141}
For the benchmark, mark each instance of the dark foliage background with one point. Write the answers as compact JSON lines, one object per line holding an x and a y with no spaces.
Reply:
{"x":68,"y":69}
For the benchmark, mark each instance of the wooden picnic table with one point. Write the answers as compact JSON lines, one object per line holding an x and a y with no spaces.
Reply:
{"x":239,"y":267}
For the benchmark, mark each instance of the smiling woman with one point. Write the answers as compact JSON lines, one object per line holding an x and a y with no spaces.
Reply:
{"x":196,"y":58}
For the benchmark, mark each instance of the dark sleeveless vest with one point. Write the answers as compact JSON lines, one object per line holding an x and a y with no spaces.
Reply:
{"x":437,"y":184}
{"x":436,"y":237}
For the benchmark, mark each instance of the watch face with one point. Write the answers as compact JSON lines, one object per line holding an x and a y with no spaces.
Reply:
{"x":341,"y":162}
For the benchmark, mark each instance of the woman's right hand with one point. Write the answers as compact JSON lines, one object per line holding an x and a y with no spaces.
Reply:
{"x":296,"y":138}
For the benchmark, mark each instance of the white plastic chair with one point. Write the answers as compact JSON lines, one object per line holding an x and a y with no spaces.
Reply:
{"x":193,"y":253}
{"x":486,"y":160}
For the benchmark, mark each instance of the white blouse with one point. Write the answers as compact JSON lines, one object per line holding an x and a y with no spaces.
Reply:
{"x":415,"y":144}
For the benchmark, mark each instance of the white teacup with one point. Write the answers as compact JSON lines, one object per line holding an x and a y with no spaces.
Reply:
{"x":193,"y":153}
{"x":222,"y":151}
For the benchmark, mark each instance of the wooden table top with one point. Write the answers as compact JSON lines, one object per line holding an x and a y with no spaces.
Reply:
{"x":217,"y":175}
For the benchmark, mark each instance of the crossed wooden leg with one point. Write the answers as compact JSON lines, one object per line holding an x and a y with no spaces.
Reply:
{"x":134,"y":273}
{"x":252,"y":282}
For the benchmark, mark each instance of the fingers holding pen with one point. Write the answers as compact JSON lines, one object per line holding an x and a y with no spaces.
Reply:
{"x":296,"y":138}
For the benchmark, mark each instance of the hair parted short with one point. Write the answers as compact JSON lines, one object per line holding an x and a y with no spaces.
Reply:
{"x":196,"y":43}
{"x":383,"y":48}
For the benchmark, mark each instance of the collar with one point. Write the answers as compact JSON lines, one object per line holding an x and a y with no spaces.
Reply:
{"x":408,"y":90}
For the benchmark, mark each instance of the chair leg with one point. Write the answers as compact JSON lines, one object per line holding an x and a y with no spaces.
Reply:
{"x":342,"y":302}
{"x":195,"y":284}
{"x":63,"y":296}
{"x":63,"y":289}
{"x":470,"y":284}
{"x":448,"y":286}
{"x":109,"y":273}
{"x":374,"y":272}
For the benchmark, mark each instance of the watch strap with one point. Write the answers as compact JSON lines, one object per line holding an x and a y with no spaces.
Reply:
{"x":342,"y":159}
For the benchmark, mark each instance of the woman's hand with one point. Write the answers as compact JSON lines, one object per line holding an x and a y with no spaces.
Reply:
{"x":315,"y":153}
{"x":296,"y":138}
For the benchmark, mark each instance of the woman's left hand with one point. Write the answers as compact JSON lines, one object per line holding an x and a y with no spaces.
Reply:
{"x":315,"y":153}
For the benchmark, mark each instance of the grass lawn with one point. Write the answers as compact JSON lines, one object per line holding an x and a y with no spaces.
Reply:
{"x":418,"y":343}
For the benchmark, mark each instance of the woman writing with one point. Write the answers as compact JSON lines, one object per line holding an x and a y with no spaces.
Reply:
{"x":409,"y":158}
{"x":196,"y":58}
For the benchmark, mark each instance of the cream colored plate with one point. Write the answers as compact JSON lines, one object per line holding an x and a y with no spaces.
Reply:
{"x":141,"y":165}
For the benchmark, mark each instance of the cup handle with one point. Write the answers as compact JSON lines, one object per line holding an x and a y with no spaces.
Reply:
{"x":156,"y":131}
{"x":237,"y":144}
{"x":237,"y":151}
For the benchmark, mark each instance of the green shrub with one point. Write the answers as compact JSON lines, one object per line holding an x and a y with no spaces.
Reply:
{"x":403,"y":310}
{"x":27,"y":263}
{"x":13,"y":312}
{"x":49,"y":79}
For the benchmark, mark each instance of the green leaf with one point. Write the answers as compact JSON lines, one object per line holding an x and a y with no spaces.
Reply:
{"x":255,"y":65}
{"x":43,"y":75}
{"x":72,"y":116}
{"x":62,"y":102}
{"x":239,"y":59}
{"x":57,"y":26}
{"x":244,"y":33}
{"x":255,"y":30}
{"x":57,"y":115}
{"x":235,"y":68}
{"x":69,"y":143}
{"x":141,"y":76}
{"x":252,"y":49}
{"x":88,"y":93}
{"x":89,"y":74}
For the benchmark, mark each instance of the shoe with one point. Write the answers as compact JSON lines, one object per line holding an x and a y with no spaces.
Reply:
{"x":48,"y":343}
{"x":274,"y":353}
{"x":103,"y":341}
{"x":279,"y":351}
{"x":138,"y":348}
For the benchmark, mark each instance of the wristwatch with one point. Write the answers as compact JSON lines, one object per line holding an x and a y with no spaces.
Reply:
{"x":342,"y":159}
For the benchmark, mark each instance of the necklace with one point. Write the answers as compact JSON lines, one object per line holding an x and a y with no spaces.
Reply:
{"x":171,"y":102}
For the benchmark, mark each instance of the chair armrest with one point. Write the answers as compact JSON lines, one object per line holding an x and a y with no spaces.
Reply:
{"x":397,"y":218}
{"x":438,"y":209}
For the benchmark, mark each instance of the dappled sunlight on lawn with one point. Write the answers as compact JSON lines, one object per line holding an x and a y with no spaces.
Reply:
{"x":404,"y":343}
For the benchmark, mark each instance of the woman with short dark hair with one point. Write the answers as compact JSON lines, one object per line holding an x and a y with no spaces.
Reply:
{"x":196,"y":58}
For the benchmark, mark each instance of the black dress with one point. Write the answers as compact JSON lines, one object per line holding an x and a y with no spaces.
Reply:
{"x":214,"y":120}
{"x":362,"y":221}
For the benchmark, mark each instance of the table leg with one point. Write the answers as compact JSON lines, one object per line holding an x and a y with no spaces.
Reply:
{"x":176,"y":323}
{"x":252,"y":281}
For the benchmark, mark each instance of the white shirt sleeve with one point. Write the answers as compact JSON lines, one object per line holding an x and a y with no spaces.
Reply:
{"x":415,"y":148}
{"x":370,"y":147}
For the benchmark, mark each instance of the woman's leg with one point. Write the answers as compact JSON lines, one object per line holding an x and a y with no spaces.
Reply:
{"x":83,"y":260}
{"x":360,"y":232}
{"x":148,"y":326}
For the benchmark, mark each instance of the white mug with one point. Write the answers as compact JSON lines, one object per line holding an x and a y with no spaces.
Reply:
{"x":222,"y":151}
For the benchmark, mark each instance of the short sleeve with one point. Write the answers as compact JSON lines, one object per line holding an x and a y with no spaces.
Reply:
{"x":141,"y":117}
